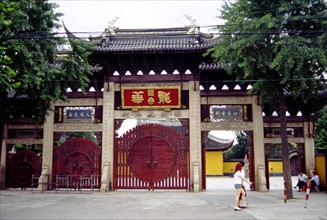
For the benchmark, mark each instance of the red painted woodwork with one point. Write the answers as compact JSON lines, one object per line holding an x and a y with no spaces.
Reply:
{"x":20,"y":168}
{"x":77,"y":158}
{"x":204,"y":171}
{"x":251,"y":167}
{"x":151,"y":157}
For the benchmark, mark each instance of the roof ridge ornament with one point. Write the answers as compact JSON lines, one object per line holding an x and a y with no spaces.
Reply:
{"x":193,"y":28}
{"x":112,"y":29}
{"x":69,"y":34}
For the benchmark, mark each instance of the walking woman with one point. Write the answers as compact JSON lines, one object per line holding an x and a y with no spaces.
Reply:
{"x":238,"y":180}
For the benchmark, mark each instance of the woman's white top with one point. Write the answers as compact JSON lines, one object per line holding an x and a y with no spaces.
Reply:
{"x":238,"y":177}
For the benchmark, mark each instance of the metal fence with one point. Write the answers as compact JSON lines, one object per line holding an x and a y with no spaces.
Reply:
{"x":66,"y":183}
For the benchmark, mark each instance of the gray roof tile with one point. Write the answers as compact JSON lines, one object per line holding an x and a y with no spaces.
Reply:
{"x":164,"y":40}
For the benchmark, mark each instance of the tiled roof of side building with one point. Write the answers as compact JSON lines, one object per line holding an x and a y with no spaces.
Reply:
{"x":214,"y":143}
{"x":58,"y":63}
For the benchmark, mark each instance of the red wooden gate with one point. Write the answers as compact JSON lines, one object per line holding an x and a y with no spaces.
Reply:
{"x":76,"y":160}
{"x":20,"y":168}
{"x":151,"y":157}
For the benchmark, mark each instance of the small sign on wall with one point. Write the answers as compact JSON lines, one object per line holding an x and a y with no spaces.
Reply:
{"x":226,"y":112}
{"x":79,"y":114}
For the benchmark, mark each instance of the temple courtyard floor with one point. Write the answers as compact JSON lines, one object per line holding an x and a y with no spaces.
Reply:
{"x":216,"y":202}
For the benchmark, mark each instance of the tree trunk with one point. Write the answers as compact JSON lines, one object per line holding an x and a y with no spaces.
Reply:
{"x":285,"y":145}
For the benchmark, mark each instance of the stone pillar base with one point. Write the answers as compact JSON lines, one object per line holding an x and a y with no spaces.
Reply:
{"x":44,"y":179}
{"x":262,"y":183}
{"x":2,"y":178}
{"x":105,"y":177}
{"x":196,"y":177}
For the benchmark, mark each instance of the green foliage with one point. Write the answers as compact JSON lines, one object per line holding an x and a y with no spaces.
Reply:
{"x":6,"y":73}
{"x":87,"y":135}
{"x":67,"y":135}
{"x":236,"y":152}
{"x":275,"y":151}
{"x":76,"y":63}
{"x":239,"y":150}
{"x":34,"y":147}
{"x":18,"y":147}
{"x":321,"y":129}
{"x":29,"y":52}
{"x":275,"y":44}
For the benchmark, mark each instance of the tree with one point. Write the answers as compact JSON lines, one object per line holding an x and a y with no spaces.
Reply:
{"x":6,"y":73}
{"x":280,"y":47}
{"x":29,"y":59}
{"x":67,"y":135}
{"x":239,"y":150}
{"x":321,"y":138}
{"x":235,"y":152}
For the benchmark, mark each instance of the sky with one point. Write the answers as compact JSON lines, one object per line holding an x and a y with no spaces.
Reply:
{"x":93,"y":16}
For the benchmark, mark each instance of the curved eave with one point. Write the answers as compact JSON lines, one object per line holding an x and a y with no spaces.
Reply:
{"x":70,"y":35}
{"x":214,"y":143}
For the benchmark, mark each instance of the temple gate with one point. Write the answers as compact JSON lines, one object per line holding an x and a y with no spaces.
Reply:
{"x":151,"y":157}
{"x":148,"y":76}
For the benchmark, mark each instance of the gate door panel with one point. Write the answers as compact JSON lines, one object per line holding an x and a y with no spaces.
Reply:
{"x":151,"y":157}
{"x":20,"y":168}
{"x":77,"y":159}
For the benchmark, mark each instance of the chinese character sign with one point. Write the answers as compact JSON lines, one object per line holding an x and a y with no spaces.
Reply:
{"x":151,"y":97}
{"x":79,"y":114}
{"x":218,"y":113}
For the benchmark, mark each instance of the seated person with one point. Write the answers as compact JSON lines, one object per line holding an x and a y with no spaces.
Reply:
{"x":314,"y":181}
{"x":302,"y":178}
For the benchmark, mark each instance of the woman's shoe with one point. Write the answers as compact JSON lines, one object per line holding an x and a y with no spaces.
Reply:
{"x":243,"y":206}
{"x":237,"y":208}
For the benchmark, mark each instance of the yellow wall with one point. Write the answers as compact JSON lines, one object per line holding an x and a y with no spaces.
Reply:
{"x":320,"y":169}
{"x":215,"y":166}
{"x":229,"y":167}
{"x":214,"y":163}
{"x":275,"y":167}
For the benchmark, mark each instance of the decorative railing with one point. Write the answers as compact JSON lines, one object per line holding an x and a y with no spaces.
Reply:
{"x":66,"y":183}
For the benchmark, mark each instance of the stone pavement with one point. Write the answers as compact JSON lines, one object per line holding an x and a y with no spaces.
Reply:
{"x":214,"y":203}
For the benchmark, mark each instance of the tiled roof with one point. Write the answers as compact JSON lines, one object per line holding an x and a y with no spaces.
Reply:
{"x":214,"y":143}
{"x":59,"y":64}
{"x":211,"y":66}
{"x":154,"y":40}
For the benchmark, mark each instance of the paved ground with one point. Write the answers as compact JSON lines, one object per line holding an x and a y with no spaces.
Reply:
{"x":215,"y":203}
